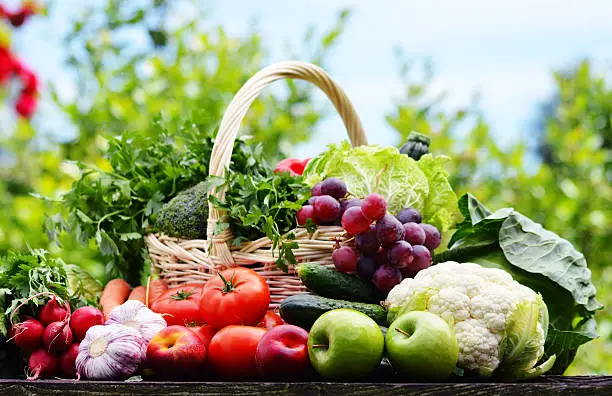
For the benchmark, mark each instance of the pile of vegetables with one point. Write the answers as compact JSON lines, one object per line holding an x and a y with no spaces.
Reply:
{"x":505,"y":298}
{"x":53,"y":339}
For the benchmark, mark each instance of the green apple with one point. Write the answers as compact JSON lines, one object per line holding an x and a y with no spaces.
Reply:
{"x":344,"y":344}
{"x":422,"y":346}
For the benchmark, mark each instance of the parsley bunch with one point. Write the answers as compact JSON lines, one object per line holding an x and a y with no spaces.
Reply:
{"x":117,"y":208}
{"x":263,"y":204}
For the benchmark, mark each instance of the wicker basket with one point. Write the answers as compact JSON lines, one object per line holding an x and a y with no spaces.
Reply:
{"x":180,"y":261}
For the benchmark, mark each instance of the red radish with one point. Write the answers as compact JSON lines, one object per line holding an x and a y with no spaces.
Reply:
{"x":67,"y":361}
{"x":53,"y":312}
{"x":58,"y":336}
{"x":82,"y":319}
{"x":28,"y":335}
{"x":42,"y":364}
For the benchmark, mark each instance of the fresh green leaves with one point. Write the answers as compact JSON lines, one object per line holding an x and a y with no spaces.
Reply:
{"x":529,"y":246}
{"x":403,"y":181}
{"x":440,"y":209}
{"x":537,"y":258}
{"x":25,"y":275}
{"x":116,"y":206}
{"x":264,"y":204}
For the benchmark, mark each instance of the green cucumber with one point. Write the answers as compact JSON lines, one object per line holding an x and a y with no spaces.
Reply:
{"x":304,"y":309}
{"x":328,"y":282}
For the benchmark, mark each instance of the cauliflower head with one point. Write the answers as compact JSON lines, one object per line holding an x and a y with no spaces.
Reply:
{"x":500,"y":325}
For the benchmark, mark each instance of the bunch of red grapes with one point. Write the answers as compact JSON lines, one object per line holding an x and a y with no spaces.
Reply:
{"x":386,"y":248}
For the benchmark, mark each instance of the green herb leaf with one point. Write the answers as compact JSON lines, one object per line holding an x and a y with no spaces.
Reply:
{"x":24,"y":275}
{"x":263,"y":203}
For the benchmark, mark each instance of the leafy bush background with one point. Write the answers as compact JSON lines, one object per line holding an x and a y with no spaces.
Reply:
{"x":123,"y":88}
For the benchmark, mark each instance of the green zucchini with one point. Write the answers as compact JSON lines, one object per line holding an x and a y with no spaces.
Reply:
{"x":304,"y":309}
{"x":330,"y":283}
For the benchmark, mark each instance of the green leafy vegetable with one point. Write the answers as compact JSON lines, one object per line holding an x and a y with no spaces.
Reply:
{"x":264,"y":204}
{"x":403,"y":181}
{"x":115,"y":206}
{"x":537,"y":258}
{"x":26,"y":275}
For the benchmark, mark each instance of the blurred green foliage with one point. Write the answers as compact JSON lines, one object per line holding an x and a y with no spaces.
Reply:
{"x":559,"y":175}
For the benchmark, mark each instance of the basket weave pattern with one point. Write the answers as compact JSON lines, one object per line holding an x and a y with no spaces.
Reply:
{"x":181,"y":261}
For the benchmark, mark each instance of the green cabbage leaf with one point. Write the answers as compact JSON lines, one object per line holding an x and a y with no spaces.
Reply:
{"x":404,"y":182}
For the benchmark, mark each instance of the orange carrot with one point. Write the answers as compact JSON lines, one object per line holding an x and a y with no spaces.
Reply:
{"x":139,"y":293}
{"x":115,"y":293}
{"x":157,"y":287}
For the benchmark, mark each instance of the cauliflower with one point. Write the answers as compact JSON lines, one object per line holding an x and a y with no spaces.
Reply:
{"x":500,"y":325}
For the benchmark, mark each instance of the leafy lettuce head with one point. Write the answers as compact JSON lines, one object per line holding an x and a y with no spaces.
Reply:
{"x":404,"y":182}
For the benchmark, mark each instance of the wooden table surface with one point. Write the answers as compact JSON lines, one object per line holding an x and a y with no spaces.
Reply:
{"x":548,"y":385}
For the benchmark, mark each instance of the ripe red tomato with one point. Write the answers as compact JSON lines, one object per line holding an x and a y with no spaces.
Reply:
{"x":270,"y":320}
{"x":236,"y":296}
{"x":205,"y":332}
{"x":232,"y":352}
{"x":180,"y":305}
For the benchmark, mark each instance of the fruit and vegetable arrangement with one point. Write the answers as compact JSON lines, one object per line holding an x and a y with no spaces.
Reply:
{"x":386,"y":303}
{"x":367,"y":266}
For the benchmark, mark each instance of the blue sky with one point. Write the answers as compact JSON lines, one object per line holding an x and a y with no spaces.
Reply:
{"x":505,"y":50}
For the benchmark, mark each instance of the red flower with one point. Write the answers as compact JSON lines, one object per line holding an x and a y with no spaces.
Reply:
{"x":7,"y":64}
{"x":26,"y":105}
{"x":28,"y":80}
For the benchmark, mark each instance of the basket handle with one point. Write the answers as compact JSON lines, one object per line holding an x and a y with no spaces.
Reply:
{"x":237,"y":109}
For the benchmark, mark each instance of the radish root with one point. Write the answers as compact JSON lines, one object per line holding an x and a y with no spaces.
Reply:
{"x":27,"y":301}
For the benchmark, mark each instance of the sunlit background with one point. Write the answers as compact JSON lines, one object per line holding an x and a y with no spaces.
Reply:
{"x":517,"y":92}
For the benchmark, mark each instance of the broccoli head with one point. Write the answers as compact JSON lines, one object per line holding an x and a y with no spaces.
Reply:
{"x":185,"y":215}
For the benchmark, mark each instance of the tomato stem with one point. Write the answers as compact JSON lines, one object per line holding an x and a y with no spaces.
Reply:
{"x":229,"y":286}
{"x":181,"y":295}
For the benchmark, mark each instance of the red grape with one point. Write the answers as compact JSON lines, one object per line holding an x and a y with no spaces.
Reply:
{"x":367,"y":243}
{"x":400,"y":254}
{"x":334,"y":187}
{"x":421,"y":260}
{"x":312,"y":200}
{"x":345,"y":259}
{"x":409,"y":215}
{"x":382,"y":258}
{"x":326,"y":209}
{"x":349,"y":203}
{"x":316,"y":190}
{"x":414,"y":234}
{"x":386,"y":277}
{"x":432,"y":236}
{"x":366,"y":266}
{"x":354,"y":222}
{"x":374,"y":206}
{"x":304,"y":214}
{"x":389,"y":230}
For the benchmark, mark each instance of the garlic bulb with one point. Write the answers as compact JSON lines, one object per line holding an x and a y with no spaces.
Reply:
{"x":133,"y":313}
{"x":110,"y":352}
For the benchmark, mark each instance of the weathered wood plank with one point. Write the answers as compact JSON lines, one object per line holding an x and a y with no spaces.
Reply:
{"x":550,"y":385}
